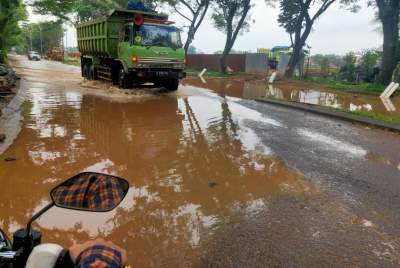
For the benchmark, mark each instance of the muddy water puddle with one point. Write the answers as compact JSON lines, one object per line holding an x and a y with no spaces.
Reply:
{"x":203,"y":185}
{"x":191,"y":161}
{"x":299,"y":93}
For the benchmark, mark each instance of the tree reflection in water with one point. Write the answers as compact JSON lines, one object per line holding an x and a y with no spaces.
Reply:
{"x":184,"y":158}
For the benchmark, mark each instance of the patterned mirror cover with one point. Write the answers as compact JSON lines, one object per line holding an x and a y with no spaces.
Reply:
{"x":90,"y":192}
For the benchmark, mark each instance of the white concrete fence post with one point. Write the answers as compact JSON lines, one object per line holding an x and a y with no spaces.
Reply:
{"x":272,"y":78}
{"x":389,"y":91}
{"x":202,"y":72}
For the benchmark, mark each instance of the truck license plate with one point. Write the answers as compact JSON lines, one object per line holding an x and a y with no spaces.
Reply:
{"x":162,"y":74}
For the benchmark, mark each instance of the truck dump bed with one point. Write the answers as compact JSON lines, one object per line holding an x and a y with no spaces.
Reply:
{"x":100,"y":37}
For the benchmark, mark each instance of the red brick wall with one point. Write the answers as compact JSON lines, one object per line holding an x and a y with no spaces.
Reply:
{"x":236,"y":62}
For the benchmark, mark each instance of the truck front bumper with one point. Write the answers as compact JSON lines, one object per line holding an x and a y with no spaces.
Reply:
{"x":152,"y":74}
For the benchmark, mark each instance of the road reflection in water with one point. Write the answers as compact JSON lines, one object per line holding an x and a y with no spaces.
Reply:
{"x":191,"y":161}
{"x":300,"y":92}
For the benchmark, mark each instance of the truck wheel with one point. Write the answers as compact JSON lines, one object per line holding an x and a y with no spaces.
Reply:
{"x":91,"y":72}
{"x":86,"y":71}
{"x":172,"y":85}
{"x":122,"y":79}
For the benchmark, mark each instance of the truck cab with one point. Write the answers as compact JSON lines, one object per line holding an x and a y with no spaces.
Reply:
{"x":152,"y":52}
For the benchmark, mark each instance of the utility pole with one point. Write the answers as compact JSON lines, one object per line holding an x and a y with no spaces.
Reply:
{"x":30,"y":36}
{"x":308,"y":60}
{"x":66,"y":43}
{"x":41,"y":40}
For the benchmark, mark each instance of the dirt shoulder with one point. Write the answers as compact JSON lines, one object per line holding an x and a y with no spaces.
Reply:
{"x":8,"y":89}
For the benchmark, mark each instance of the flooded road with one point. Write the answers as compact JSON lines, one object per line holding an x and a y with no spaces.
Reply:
{"x":215,"y":181}
{"x":299,"y":91}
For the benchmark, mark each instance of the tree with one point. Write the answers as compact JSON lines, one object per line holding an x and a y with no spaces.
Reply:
{"x":323,"y":61}
{"x":296,"y":18}
{"x":368,"y":63}
{"x":231,"y":17}
{"x":57,"y":8}
{"x":388,"y":14}
{"x":197,"y":10}
{"x":77,"y":10}
{"x":348,"y":70}
{"x":42,"y":35}
{"x":336,"y":60}
{"x":11,"y":12}
{"x":89,"y":9}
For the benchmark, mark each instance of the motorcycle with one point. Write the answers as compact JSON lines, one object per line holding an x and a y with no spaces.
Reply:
{"x":88,"y":191}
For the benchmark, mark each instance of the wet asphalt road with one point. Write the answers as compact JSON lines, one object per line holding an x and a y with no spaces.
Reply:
{"x":342,"y":210}
{"x":361,"y":166}
{"x":357,"y":166}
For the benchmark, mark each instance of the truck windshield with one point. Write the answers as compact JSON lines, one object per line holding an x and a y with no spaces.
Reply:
{"x":157,"y":35}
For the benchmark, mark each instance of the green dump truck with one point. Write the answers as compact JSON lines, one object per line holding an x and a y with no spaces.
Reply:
{"x":131,"y":48}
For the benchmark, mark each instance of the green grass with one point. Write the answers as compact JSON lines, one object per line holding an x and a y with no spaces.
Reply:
{"x":377,"y":116}
{"x":209,"y":73}
{"x":347,"y":86}
{"x":26,"y":108}
{"x":74,"y":62}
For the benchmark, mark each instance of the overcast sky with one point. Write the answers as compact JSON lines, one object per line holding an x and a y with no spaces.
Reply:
{"x":337,"y":31}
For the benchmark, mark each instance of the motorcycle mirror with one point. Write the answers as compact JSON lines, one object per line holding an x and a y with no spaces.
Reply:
{"x":90,"y":191}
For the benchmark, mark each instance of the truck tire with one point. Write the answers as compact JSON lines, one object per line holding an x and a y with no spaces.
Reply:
{"x":85,"y":71}
{"x":172,"y":84}
{"x":122,"y":79}
{"x":92,"y":75}
{"x":88,"y":71}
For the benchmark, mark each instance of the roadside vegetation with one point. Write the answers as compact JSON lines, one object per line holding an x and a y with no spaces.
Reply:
{"x":377,"y":116}
{"x":342,"y":85}
{"x":40,"y":37}
{"x":72,"y":61}
{"x":11,"y":13}
{"x":354,"y":72}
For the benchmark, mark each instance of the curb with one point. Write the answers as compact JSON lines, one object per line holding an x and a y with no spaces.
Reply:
{"x":353,"y":118}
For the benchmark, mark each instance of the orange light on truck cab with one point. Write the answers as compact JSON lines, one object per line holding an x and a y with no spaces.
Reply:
{"x":184,"y":61}
{"x":134,"y":59}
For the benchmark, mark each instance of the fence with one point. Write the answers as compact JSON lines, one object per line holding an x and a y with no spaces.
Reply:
{"x":249,"y":63}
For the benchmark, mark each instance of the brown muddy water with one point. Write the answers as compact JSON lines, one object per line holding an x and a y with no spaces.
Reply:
{"x":188,"y":168}
{"x":193,"y":165}
{"x":300,"y":92}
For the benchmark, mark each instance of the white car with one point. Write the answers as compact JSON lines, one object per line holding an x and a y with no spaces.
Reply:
{"x":33,"y":55}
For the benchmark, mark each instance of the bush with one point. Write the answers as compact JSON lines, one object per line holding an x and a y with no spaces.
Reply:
{"x":348,"y":70}
{"x":368,"y":69}
{"x":3,"y":56}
